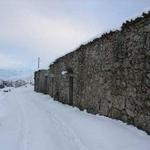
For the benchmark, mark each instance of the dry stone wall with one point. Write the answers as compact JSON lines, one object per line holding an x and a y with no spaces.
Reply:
{"x":109,"y":76}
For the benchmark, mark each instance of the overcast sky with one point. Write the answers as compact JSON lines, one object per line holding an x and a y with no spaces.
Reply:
{"x":51,"y":28}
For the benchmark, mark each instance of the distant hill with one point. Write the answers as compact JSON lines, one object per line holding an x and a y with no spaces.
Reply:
{"x":15,"y":77}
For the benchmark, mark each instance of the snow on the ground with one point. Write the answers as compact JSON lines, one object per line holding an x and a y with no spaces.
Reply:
{"x":33,"y":121}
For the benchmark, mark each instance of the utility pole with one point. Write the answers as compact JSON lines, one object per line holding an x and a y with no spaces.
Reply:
{"x":38,"y":63}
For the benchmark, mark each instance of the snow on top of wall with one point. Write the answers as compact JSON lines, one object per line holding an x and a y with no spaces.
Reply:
{"x":64,"y":72}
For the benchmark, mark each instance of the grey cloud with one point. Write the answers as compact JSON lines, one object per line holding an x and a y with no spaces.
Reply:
{"x":51,"y":28}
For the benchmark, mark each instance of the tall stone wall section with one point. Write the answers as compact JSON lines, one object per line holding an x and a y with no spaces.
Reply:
{"x":109,"y":76}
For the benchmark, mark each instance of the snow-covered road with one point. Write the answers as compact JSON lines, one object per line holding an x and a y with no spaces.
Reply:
{"x":33,"y":121}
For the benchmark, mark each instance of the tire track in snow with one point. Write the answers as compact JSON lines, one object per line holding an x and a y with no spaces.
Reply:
{"x":57,"y":125}
{"x":69,"y":133}
{"x":62,"y":127}
{"x":15,"y":121}
{"x":24,"y":124}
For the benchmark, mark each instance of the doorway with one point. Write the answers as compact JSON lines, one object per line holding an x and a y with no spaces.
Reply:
{"x":70,"y":84}
{"x":70,"y":90}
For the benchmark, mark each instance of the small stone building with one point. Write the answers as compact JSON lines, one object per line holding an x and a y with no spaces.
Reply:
{"x":109,"y":76}
{"x":41,"y":81}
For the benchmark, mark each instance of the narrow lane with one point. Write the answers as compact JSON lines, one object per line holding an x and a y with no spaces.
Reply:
{"x":33,"y":121}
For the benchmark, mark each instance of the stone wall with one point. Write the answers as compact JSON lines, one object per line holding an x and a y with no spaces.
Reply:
{"x":110,"y":75}
{"x":41,"y":81}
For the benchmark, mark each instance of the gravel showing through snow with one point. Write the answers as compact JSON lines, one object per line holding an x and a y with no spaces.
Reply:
{"x":33,"y":121}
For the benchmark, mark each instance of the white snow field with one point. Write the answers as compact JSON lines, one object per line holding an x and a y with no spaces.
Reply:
{"x":33,"y":121}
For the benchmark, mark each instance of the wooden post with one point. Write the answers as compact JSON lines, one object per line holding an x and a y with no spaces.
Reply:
{"x":38,"y":63}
